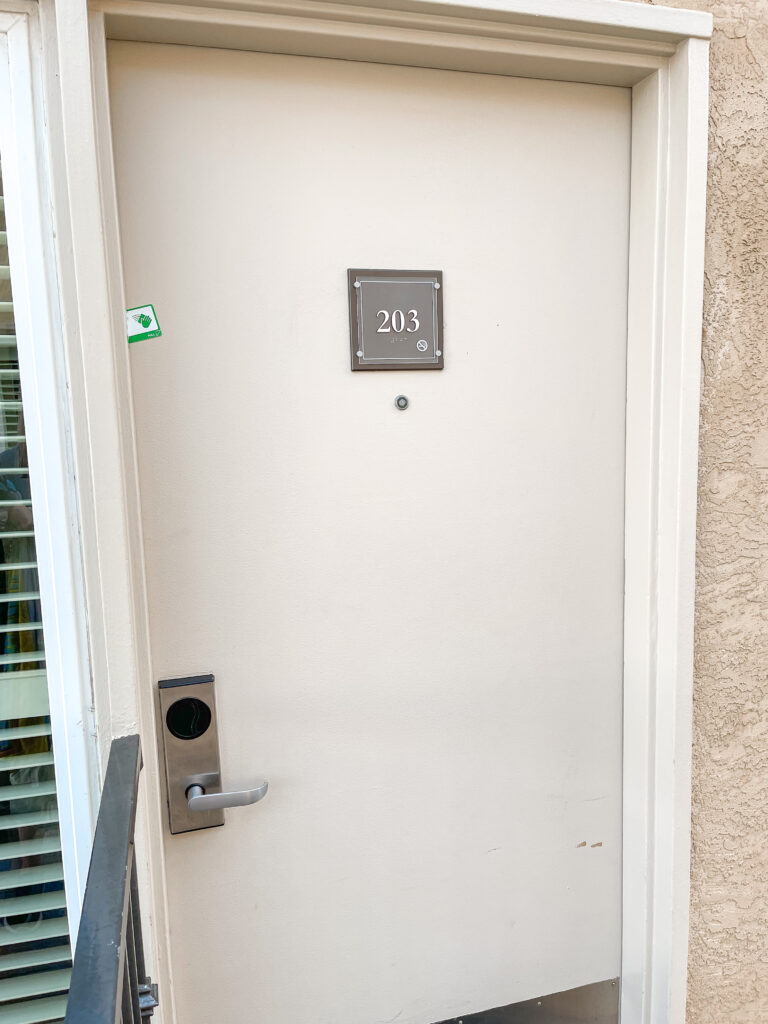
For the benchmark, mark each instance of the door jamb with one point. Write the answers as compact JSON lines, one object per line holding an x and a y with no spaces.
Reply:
{"x":662,"y":55}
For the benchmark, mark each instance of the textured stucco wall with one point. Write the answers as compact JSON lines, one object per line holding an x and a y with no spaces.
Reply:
{"x":728,"y":960}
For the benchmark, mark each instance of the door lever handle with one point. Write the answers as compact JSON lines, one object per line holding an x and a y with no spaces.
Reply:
{"x":199,"y":800}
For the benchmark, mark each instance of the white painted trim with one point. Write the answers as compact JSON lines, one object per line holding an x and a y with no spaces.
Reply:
{"x":342,"y":32}
{"x":660,"y":52}
{"x":47,"y":428}
{"x":544,"y":18}
{"x":649,"y":101}
{"x":680,"y":376}
{"x":92,"y":324}
{"x":152,"y":817}
{"x":664,"y":342}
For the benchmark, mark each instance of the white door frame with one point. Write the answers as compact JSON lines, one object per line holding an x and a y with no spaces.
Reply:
{"x":662,"y":55}
{"x":48,"y":430}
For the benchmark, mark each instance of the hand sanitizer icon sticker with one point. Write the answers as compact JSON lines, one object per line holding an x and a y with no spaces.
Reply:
{"x":141,"y":323}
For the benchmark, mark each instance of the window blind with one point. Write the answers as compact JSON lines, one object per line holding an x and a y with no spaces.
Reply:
{"x":35,"y":956}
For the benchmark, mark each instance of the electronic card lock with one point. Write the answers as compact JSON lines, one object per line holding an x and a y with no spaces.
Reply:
{"x":191,"y":753}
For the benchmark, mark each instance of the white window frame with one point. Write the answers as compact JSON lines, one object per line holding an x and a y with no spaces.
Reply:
{"x":661,"y":54}
{"x":48,"y":431}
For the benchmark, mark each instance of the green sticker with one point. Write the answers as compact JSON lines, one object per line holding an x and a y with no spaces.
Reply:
{"x":141,"y":323}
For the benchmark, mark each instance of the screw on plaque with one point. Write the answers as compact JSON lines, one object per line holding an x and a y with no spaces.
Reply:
{"x":401,"y":402}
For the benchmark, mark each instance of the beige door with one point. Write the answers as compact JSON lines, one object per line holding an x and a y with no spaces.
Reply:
{"x":414,"y":617}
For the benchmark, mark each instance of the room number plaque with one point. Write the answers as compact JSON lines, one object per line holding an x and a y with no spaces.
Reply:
{"x":396,"y":319}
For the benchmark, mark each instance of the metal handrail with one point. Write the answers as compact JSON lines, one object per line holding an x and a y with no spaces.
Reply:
{"x":109,"y":983}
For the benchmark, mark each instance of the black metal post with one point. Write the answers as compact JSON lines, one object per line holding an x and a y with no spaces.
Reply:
{"x":109,"y":983}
